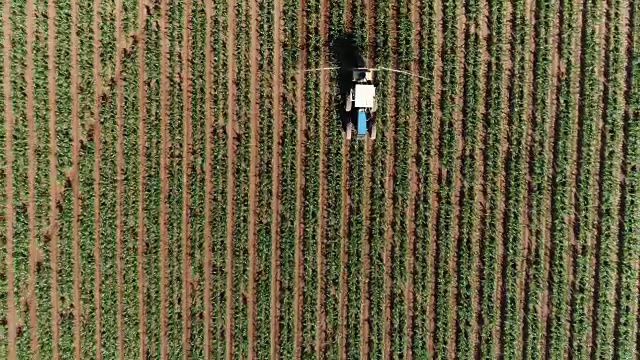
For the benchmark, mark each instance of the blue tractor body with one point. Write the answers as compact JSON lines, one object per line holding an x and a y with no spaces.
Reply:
{"x":362,"y":122}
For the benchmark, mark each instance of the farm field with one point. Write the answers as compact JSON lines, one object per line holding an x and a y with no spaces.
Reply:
{"x":175,"y":180}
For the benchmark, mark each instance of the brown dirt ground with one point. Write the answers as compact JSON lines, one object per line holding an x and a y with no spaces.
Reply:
{"x":31,"y":209}
{"x":186,"y":156}
{"x":320,"y":306}
{"x":435,"y":170}
{"x":8,"y":124}
{"x":142,"y":115}
{"x":480,"y":193}
{"x":253,"y":176}
{"x":365,"y":302}
{"x":344,"y":224}
{"x":164,"y":181}
{"x":208,"y":182}
{"x":275,"y":202}
{"x":75,"y":184}
{"x":388,"y":200}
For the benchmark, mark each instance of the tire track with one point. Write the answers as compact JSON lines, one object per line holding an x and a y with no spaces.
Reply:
{"x":142,"y":143}
{"x":9,"y":211}
{"x":320,"y":261}
{"x":253,"y":174}
{"x":231,"y":179}
{"x":75,"y":185}
{"x":119,"y":84}
{"x":97,"y":140}
{"x":32,"y":165}
{"x":164,"y":181}
{"x":186,"y":165}
{"x":208,"y":54}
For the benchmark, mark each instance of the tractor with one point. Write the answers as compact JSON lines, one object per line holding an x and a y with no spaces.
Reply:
{"x":360,"y":103}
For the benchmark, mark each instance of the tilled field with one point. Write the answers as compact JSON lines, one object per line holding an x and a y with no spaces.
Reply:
{"x":175,"y":183}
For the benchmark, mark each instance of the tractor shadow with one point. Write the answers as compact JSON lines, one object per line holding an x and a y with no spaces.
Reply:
{"x":346,"y":55}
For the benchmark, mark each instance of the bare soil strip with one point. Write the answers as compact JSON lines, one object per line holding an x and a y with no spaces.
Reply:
{"x":186,"y":165}
{"x":9,"y":212}
{"x":300,"y":141}
{"x":344,"y":222}
{"x":31,"y":208}
{"x":365,"y":304}
{"x":75,"y":183}
{"x":275,"y":200}
{"x":142,"y":160}
{"x":231,"y":176}
{"x":457,"y":182}
{"x":164,"y":181}
{"x":253,"y":174}
{"x":119,"y":82}
{"x":324,"y":80}
{"x":208,"y":175}
{"x":344,"y":239}
{"x":413,"y":182}
{"x":389,"y":179}
{"x":435,"y":170}
{"x":553,"y":105}
{"x":53,"y":173}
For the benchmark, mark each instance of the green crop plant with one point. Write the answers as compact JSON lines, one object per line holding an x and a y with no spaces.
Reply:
{"x":590,"y":113}
{"x":446,"y":222}
{"x":493,"y":155}
{"x":539,"y":168}
{"x":561,"y":198}
{"x":626,"y":342}
{"x":610,"y":241}
{"x":515,"y":184}
{"x":426,"y":118}
{"x":473,"y":91}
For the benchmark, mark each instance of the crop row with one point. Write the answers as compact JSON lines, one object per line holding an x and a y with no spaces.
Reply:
{"x":473,"y":93}
{"x":609,"y":234}
{"x":493,"y":155}
{"x":561,"y":191}
{"x":426,"y":119}
{"x":448,"y":164}
{"x":539,"y":169}
{"x":590,"y":113}
{"x":516,"y":178}
{"x":626,"y":341}
{"x":381,"y":57}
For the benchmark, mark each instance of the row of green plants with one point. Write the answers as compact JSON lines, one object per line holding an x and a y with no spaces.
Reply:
{"x":472,"y":97}
{"x":539,"y":188}
{"x":516,"y":183}
{"x":448,"y":167}
{"x":493,"y":168}
{"x":561,"y":198}
{"x":611,"y":245}
{"x":590,"y":114}
{"x":626,"y":341}
{"x":426,"y":112}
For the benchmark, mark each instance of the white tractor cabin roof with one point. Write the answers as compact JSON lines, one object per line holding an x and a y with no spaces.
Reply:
{"x":364,"y":95}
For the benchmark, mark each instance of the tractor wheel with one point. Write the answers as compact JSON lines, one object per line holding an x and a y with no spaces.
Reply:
{"x":349,"y":130}
{"x":372,"y":132}
{"x":349,"y":101}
